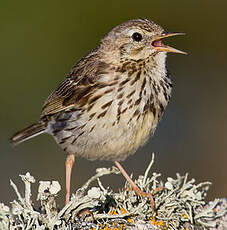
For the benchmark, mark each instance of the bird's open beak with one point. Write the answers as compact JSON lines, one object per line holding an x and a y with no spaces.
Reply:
{"x":159,"y":46}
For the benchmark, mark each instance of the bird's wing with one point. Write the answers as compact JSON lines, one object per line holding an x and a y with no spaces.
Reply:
{"x":78,"y":87}
{"x":55,"y":102}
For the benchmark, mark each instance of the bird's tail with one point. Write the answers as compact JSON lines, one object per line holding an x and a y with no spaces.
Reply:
{"x":29,"y":132}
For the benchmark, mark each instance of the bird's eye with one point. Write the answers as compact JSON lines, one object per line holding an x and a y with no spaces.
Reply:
{"x":137,"y":37}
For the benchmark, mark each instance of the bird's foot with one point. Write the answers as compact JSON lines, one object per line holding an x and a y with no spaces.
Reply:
{"x":150,"y":195}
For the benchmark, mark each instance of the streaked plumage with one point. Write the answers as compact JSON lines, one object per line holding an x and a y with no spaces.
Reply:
{"x":113,"y":98}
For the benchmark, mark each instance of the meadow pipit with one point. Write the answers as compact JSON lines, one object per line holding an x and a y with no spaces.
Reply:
{"x":112,"y":100}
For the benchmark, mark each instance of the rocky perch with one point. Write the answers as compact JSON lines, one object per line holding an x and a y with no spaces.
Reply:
{"x":180,"y":204}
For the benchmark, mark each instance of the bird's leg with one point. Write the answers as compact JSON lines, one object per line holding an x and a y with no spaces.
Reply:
{"x":134,"y":186}
{"x":68,"y":166}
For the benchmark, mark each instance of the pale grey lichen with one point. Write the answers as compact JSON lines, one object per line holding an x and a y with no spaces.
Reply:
{"x":180,"y":204}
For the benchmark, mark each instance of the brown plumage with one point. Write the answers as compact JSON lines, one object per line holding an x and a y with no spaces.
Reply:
{"x":113,"y":98}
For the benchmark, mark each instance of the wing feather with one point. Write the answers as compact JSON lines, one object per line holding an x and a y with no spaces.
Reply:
{"x":79,"y":85}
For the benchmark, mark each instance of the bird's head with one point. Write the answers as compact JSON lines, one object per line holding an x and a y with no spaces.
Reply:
{"x":137,"y":39}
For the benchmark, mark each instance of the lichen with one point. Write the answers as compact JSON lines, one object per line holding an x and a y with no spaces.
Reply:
{"x":180,"y":204}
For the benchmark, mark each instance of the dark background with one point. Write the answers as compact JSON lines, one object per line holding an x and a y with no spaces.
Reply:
{"x":41,"y":40}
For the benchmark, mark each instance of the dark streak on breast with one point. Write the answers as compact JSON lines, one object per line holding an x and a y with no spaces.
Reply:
{"x":129,"y":101}
{"x":124,"y":110}
{"x":92,"y":128}
{"x":63,"y":140}
{"x":120,"y":102}
{"x":145,"y":108}
{"x":136,"y":113}
{"x":108,"y":90}
{"x":138,"y":117}
{"x":161,"y":107}
{"x":82,"y":126}
{"x":120,"y":88}
{"x":91,"y":116}
{"x":107,"y":104}
{"x":144,"y":82}
{"x":137,"y":102}
{"x":95,"y":98}
{"x":152,"y":109}
{"x":119,"y":96}
{"x":136,"y":78}
{"x":129,"y":95}
{"x":101,"y":114}
{"x":124,"y":82}
{"x":77,"y":137}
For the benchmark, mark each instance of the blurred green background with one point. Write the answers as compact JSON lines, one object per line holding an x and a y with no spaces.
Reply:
{"x":41,"y":40}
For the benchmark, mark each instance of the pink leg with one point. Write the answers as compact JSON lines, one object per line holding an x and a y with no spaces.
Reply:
{"x":134,"y":186}
{"x":68,"y":166}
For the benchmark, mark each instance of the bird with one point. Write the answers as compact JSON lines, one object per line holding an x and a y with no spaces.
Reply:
{"x":112,"y":100}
